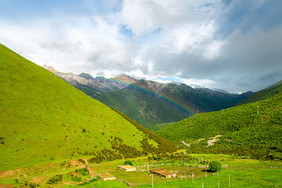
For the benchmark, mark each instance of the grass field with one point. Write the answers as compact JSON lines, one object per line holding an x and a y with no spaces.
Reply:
{"x":238,"y":178}
{"x":242,"y":172}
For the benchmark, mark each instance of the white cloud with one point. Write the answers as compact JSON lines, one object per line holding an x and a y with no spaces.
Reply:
{"x":147,"y":16}
{"x":190,"y":40}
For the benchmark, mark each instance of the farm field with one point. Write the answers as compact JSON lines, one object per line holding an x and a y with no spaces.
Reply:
{"x":242,"y":173}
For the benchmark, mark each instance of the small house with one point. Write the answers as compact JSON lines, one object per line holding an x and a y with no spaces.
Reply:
{"x":163,"y":173}
{"x":106,"y":177}
{"x":126,"y":168}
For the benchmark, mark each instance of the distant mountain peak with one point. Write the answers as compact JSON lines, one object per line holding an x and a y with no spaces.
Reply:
{"x":176,"y":82}
{"x":85,"y":75}
{"x":195,"y":86}
{"x":125,"y":78}
{"x":50,"y":68}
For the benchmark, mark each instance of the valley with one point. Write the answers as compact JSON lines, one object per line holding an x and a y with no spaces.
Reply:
{"x":140,"y":93}
{"x":150,"y":103}
{"x":54,"y":135}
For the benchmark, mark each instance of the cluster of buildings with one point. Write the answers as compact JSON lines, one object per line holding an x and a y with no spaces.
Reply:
{"x":128,"y":168}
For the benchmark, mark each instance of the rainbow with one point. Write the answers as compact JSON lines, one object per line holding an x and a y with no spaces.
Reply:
{"x":166,"y":99}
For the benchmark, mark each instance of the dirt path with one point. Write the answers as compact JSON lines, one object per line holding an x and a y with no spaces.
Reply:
{"x":8,"y":173}
{"x":38,"y":180}
{"x":185,"y":143}
{"x":7,"y":185}
{"x":214,"y":139}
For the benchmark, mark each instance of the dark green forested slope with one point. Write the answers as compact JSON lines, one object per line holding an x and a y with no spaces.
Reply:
{"x":43,"y":119}
{"x":254,"y":129}
{"x":144,"y":108}
{"x":151,"y":103}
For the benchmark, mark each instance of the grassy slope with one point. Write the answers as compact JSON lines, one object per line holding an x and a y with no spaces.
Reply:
{"x":264,"y":94}
{"x":43,"y":118}
{"x":161,"y":126}
{"x":253,"y":133}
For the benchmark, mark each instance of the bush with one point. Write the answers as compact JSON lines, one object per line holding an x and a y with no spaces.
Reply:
{"x":55,"y":179}
{"x":75,"y":178}
{"x":82,"y":171}
{"x":214,"y":166}
{"x":128,"y":162}
{"x":82,"y":161}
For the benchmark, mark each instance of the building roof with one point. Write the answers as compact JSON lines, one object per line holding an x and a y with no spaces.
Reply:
{"x":162,"y":172}
{"x":126,"y":167}
{"x":106,"y":175}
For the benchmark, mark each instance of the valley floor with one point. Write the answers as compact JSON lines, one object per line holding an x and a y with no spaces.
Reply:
{"x":190,"y":170}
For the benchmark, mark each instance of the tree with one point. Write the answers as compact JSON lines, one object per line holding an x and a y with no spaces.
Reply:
{"x":128,"y":162}
{"x":214,"y":166}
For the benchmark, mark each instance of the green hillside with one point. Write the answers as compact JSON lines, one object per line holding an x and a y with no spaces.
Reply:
{"x":254,"y":129}
{"x":45,"y":119}
{"x":264,"y":94}
{"x":160,"y":126}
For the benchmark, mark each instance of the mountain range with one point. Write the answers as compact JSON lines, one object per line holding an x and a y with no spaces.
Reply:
{"x":93,"y":86}
{"x":148,"y":102}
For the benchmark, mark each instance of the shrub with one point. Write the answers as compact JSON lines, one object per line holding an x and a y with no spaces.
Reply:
{"x":75,"y":178}
{"x":128,"y":162}
{"x":82,"y":171}
{"x":81,"y":160}
{"x":214,"y":166}
{"x":33,"y":185}
{"x":55,"y":179}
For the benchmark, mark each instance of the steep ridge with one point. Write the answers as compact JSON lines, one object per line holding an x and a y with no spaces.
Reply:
{"x":45,"y":119}
{"x":151,"y":103}
{"x":254,"y":129}
{"x":264,"y":94}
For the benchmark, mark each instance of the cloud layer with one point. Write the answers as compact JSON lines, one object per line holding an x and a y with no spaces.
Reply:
{"x":231,"y":45}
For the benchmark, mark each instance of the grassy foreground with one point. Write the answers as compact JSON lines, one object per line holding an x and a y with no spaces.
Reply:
{"x":238,"y":178}
{"x":242,"y":173}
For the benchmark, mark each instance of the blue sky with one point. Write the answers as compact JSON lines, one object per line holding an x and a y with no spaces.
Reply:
{"x":230,"y":44}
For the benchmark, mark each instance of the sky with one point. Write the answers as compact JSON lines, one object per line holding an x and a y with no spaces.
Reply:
{"x":234,"y":45}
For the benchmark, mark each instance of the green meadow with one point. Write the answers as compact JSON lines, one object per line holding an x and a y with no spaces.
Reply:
{"x":235,"y":171}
